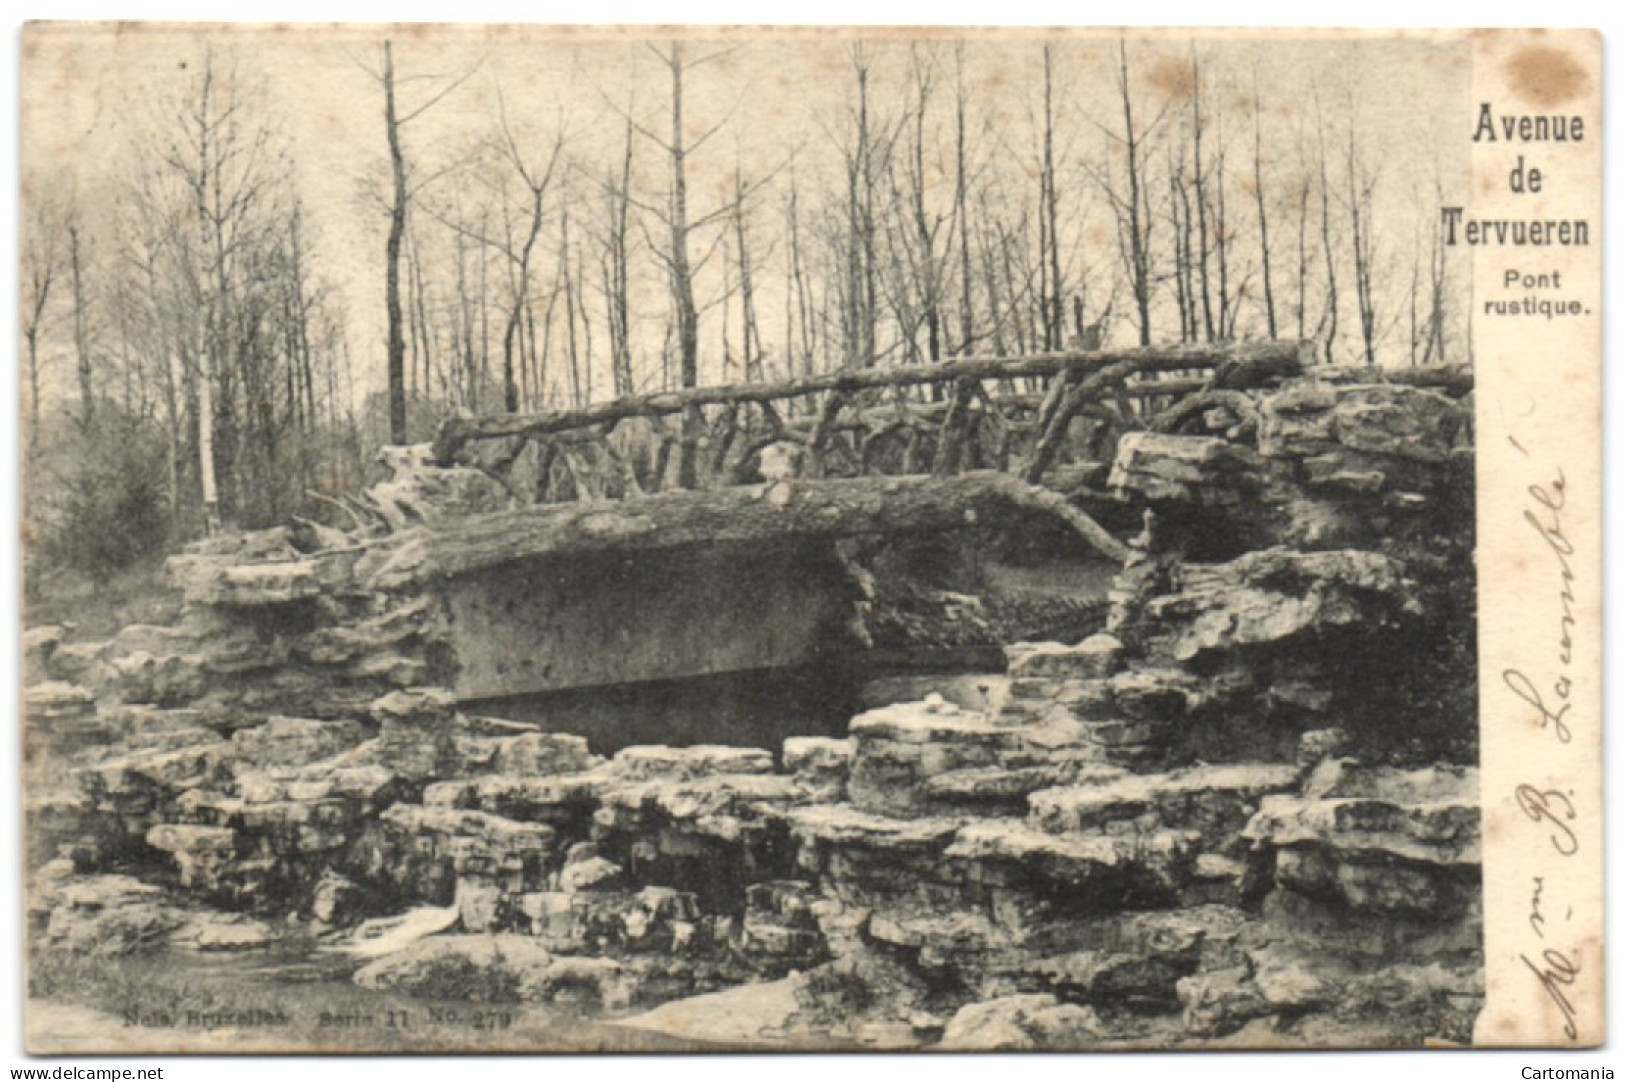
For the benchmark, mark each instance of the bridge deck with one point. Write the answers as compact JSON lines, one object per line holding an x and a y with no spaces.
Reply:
{"x":763,"y":513}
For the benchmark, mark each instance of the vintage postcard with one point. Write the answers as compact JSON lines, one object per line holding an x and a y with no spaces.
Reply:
{"x":605,"y":539}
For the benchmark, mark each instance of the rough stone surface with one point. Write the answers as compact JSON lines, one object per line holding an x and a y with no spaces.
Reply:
{"x":1020,"y":1023}
{"x":1271,"y":596}
{"x":471,"y":968}
{"x":110,"y":915}
{"x":545,"y":753}
{"x":295,"y":741}
{"x":1243,"y":811}
{"x":1093,"y":658}
{"x":56,"y":701}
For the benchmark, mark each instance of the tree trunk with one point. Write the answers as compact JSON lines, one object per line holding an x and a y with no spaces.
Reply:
{"x":1263,"y":215}
{"x":511,"y":334}
{"x":1199,"y":180}
{"x":81,"y":344}
{"x":620,"y":326}
{"x":1138,"y":258}
{"x":392,"y":258}
{"x":1330,"y":317}
{"x":688,"y":322}
{"x":1051,"y":302}
{"x":967,"y":311}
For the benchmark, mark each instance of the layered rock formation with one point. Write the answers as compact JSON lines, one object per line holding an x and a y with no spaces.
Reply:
{"x":1244,"y":810}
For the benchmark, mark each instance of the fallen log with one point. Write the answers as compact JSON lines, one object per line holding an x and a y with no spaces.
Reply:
{"x":740,"y":515}
{"x":1452,"y":379}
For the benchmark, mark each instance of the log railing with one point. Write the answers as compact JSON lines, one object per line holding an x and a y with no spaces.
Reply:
{"x":1017,"y":415}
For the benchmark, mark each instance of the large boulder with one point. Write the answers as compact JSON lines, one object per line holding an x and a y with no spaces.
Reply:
{"x":1272,"y":596}
{"x":534,"y":754}
{"x":110,"y":915}
{"x":469,"y":968}
{"x":1396,"y":842}
{"x":53,"y":702}
{"x":1193,"y":469}
{"x":1021,"y":1023}
{"x":821,"y":765}
{"x":200,"y":852}
{"x":1216,"y":800}
{"x":747,"y":1014}
{"x":285,"y":741}
{"x":1379,"y":418}
{"x":39,"y":644}
{"x":646,"y":762}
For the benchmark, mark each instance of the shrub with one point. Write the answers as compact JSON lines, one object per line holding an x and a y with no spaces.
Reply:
{"x":104,"y":506}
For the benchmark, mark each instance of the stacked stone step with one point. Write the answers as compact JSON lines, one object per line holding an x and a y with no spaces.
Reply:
{"x":1356,"y":871}
{"x":1373,"y":925}
{"x":275,"y":813}
{"x":137,"y":729}
{"x":653,"y":874}
{"x":1144,"y":823}
{"x":936,"y":841}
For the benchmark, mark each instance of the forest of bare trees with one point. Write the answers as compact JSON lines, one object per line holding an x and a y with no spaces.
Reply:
{"x":205,"y":344}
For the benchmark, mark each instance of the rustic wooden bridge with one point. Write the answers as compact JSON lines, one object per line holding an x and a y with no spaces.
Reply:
{"x":1020,"y":416}
{"x":694,"y":532}
{"x":870,"y":450}
{"x":860,"y":450}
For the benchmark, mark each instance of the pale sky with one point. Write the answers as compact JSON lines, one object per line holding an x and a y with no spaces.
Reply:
{"x":89,"y":89}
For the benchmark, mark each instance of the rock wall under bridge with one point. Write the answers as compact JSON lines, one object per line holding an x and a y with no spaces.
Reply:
{"x":548,"y":624}
{"x":1244,"y":810}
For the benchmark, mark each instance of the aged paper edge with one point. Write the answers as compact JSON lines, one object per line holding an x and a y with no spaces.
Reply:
{"x":1538,"y":420}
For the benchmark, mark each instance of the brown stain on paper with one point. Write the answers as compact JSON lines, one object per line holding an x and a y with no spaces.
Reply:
{"x":1173,"y":79}
{"x":1545,"y":76}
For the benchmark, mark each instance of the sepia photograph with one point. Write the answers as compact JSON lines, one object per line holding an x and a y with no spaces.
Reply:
{"x":694,"y":539}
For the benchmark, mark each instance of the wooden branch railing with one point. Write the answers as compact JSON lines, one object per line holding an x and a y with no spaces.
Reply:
{"x":457,"y":431}
{"x":1013,"y":414}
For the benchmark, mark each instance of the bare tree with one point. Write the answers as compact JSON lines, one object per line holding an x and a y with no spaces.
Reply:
{"x":81,"y":336}
{"x":570,"y":285}
{"x":1438,"y":303}
{"x":1361,"y":185}
{"x":536,"y":177}
{"x":1183,"y":230}
{"x":866,"y":159}
{"x":800,"y":327}
{"x":679,"y":262}
{"x":220,"y":243}
{"x":678,"y":266}
{"x":42,"y":255}
{"x":751,"y":334}
{"x":926,"y":270}
{"x":392,"y":254}
{"x":1329,"y":316}
{"x":1263,"y":211}
{"x":223,"y":160}
{"x":395,"y":121}
{"x":1049,"y":258}
{"x":1301,"y":191}
{"x":1133,"y":208}
{"x":962,"y":224}
{"x":1198,"y":179}
{"x":618,"y":200}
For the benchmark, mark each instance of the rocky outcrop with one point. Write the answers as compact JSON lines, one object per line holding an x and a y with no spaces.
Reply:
{"x":1244,"y":809}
